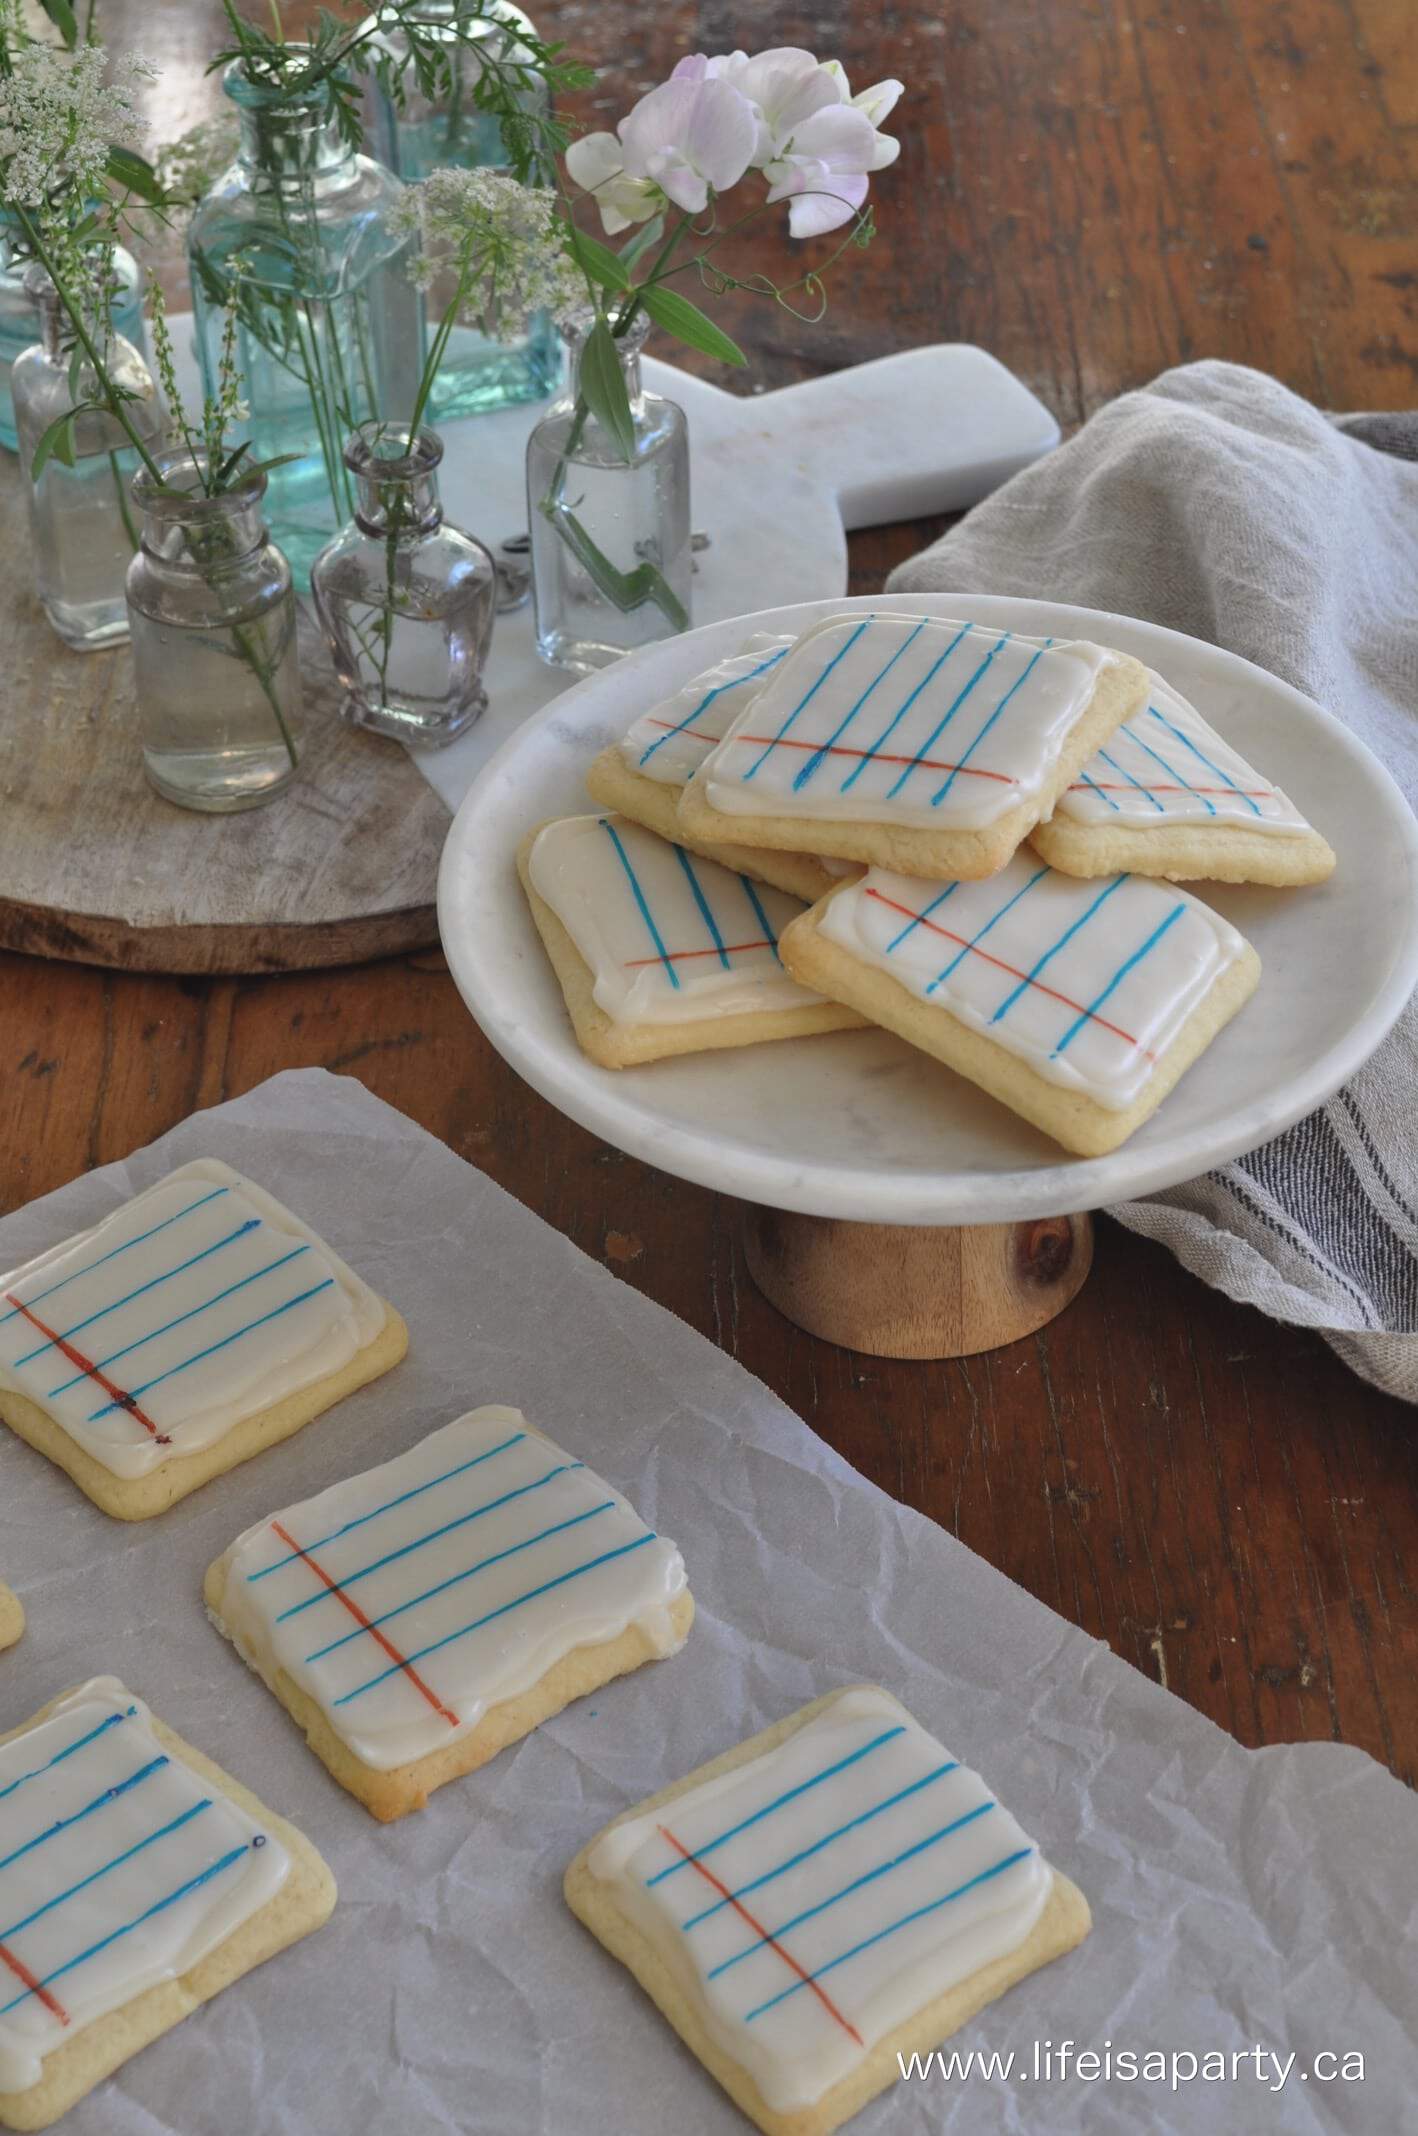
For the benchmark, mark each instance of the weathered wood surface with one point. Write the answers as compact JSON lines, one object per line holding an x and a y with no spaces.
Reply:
{"x":95,"y":865}
{"x":1094,"y":191}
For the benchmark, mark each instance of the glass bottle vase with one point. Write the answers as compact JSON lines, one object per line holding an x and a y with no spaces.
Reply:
{"x":82,"y":529}
{"x":611,"y":558}
{"x":213,"y":622}
{"x":406,"y":601}
{"x":477,"y":373}
{"x":17,"y":314}
{"x":330,"y":327}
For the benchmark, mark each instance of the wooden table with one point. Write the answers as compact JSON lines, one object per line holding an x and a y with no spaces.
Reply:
{"x":1093,"y":190}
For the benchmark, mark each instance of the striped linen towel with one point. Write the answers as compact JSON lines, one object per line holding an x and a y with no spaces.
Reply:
{"x":1218,"y":503}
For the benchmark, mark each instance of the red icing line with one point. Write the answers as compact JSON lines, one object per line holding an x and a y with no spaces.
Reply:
{"x":678,"y":956}
{"x":91,"y":1370}
{"x":1014,"y":973}
{"x":36,"y":1987}
{"x":366,"y":1625}
{"x":878,"y":756}
{"x":759,"y":1930}
{"x":1160,"y":786}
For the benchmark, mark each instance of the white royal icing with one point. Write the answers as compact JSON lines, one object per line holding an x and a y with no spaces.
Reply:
{"x":670,"y":938}
{"x":810,"y":1901}
{"x":190,"y":1308}
{"x":1088,"y":982}
{"x":671,"y":741}
{"x":408,"y":1600}
{"x":904,"y":719}
{"x":1166,"y":766}
{"x":120,"y":1866}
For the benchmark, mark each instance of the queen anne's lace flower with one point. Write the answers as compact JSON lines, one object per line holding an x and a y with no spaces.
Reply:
{"x":59,"y":118}
{"x":508,"y":236}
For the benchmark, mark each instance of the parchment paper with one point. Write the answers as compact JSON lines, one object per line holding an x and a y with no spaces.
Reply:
{"x":1240,"y":1899}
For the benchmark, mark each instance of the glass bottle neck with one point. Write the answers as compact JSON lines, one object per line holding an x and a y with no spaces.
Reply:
{"x":288,"y":140}
{"x":628,"y":347}
{"x":403,"y":507}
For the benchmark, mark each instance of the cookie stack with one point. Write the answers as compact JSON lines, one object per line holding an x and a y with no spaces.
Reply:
{"x":989,"y":827}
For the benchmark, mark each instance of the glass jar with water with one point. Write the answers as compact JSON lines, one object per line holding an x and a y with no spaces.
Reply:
{"x":213,"y":621}
{"x":611,"y":559}
{"x":330,"y":327}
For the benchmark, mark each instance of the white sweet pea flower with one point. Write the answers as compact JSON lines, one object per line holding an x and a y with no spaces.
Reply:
{"x":690,"y":138}
{"x":878,"y":103}
{"x":597,"y":164}
{"x":822,"y":169}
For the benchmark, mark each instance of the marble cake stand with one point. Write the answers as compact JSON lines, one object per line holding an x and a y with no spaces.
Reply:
{"x":890,"y":1206}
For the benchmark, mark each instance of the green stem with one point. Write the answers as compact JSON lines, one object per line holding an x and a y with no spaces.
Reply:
{"x":112,"y":403}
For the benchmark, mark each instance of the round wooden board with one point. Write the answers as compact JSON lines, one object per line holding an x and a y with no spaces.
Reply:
{"x":97,"y":868}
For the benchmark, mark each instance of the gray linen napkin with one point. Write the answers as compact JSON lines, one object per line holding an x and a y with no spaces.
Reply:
{"x":1218,"y":503}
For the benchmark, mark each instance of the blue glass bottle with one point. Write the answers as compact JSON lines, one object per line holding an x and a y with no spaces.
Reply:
{"x":17,"y":315}
{"x":477,"y":373}
{"x":330,"y":326}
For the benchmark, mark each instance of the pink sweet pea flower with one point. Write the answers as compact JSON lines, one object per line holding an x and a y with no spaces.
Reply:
{"x":690,"y":138}
{"x":821,"y":169}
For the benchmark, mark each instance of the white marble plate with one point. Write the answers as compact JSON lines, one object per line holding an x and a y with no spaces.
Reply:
{"x":858,"y":1124}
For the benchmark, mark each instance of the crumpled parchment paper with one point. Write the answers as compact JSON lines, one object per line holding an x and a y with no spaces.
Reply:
{"x":1241,"y":1899}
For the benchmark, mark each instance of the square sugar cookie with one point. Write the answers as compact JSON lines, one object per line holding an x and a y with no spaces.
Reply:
{"x":643,"y":774}
{"x":417,"y":1619}
{"x":198,"y":1324}
{"x":659,"y":951}
{"x":912,"y":743}
{"x":12,"y":1616}
{"x":1169,"y":796}
{"x":1077,"y":1004}
{"x":141,"y":1880}
{"x":833,"y":1893}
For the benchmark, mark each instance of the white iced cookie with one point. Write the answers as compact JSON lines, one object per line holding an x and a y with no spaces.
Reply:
{"x":418,"y":1618}
{"x":1077,"y":1004}
{"x":12,"y":1616}
{"x":910,"y":742}
{"x":644,"y":773}
{"x":659,"y":951}
{"x":1169,"y":796}
{"x":136,"y":1881}
{"x":839,"y":1890}
{"x":196,"y":1325}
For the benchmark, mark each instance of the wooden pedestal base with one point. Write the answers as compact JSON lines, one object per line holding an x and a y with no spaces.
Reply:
{"x":909,"y":1290}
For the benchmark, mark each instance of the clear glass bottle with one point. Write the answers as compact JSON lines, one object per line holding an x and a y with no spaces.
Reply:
{"x":330,"y":325}
{"x":405,"y":600}
{"x":17,"y":313}
{"x":477,"y":373}
{"x":81,"y":521}
{"x":611,"y":559}
{"x":213,"y":621}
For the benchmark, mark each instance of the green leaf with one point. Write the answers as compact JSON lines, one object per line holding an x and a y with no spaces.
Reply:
{"x":647,"y":235}
{"x":61,"y":14}
{"x":603,"y":388}
{"x":598,"y":261}
{"x":58,"y":441}
{"x":135,"y":174}
{"x":689,"y":324}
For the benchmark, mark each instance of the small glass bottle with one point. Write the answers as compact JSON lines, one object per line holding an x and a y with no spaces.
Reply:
{"x":421,"y":135}
{"x":81,"y":521}
{"x":611,"y":558}
{"x":405,"y":600}
{"x":213,"y":622}
{"x":17,"y":312}
{"x":330,"y":326}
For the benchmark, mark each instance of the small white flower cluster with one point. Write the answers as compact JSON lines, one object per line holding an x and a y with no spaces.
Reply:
{"x":189,"y":166}
{"x":505,"y":240}
{"x":59,"y":118}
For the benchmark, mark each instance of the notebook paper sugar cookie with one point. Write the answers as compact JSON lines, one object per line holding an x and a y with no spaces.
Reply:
{"x":196,"y":1325}
{"x":644,"y":773}
{"x":913,"y":743}
{"x":417,"y":1619}
{"x":659,"y":951}
{"x":12,"y":1616}
{"x":836,"y":1892}
{"x":1077,"y":1004}
{"x":137,"y":1881}
{"x":1168,"y":796}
